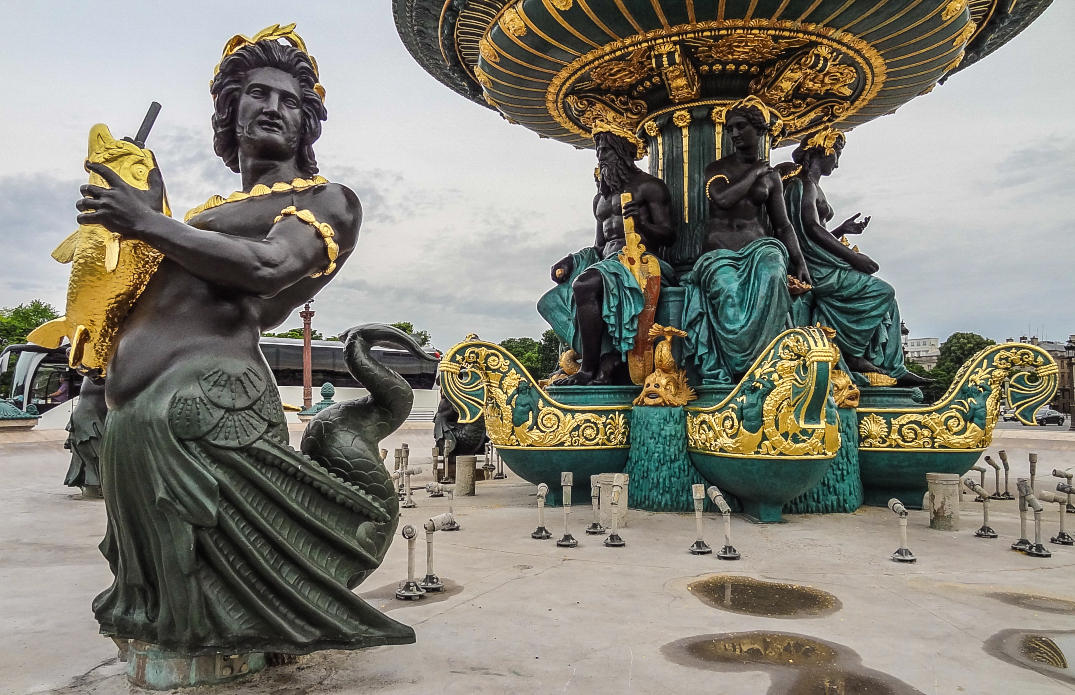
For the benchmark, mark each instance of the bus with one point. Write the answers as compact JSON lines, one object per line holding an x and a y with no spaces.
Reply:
{"x":30,"y":374}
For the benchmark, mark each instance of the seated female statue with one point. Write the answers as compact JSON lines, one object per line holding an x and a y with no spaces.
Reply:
{"x":846,"y":296}
{"x":737,"y":298}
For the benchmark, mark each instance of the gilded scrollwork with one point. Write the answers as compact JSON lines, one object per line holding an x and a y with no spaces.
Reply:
{"x":781,"y":408}
{"x":483,"y":379}
{"x":965,"y":417}
{"x":750,"y":48}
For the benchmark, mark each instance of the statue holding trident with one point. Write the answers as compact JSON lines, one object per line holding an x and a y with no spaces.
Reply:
{"x":223,"y":539}
{"x":602,"y":290}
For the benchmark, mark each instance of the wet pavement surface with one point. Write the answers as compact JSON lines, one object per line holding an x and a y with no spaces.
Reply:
{"x":756,"y":597}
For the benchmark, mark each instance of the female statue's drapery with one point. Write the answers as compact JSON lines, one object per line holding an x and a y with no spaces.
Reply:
{"x":860,"y":307}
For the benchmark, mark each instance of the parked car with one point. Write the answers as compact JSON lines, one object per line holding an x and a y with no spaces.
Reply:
{"x":1008,"y":414}
{"x":1048,"y":416}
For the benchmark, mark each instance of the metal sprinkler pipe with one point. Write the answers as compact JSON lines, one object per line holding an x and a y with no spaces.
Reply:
{"x":1004,"y":462}
{"x":500,"y":474}
{"x":1066,"y":474}
{"x":727,"y":551}
{"x":431,"y":582}
{"x":699,"y":547}
{"x":435,"y":489}
{"x":981,"y":471}
{"x":614,"y":540}
{"x":407,"y":472}
{"x":541,"y":533}
{"x":1062,"y":537}
{"x":996,"y":473}
{"x":1037,"y":549}
{"x":1033,"y":469}
{"x":408,"y":589}
{"x":1023,"y":486}
{"x":903,"y":553}
{"x":567,"y":479}
{"x":595,"y":528}
{"x":986,"y":531}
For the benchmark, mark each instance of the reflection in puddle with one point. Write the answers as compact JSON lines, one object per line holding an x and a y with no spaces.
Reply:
{"x":756,"y":597}
{"x":1044,"y":651}
{"x":1034,"y":602}
{"x":798,"y":665}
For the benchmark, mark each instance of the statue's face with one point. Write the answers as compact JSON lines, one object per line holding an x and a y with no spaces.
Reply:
{"x":742,"y":133}
{"x":269,"y":118}
{"x":829,"y":163}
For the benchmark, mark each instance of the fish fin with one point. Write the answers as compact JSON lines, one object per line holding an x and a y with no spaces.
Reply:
{"x":79,"y":338}
{"x":65,"y":252}
{"x":49,"y":334}
{"x":112,"y":253}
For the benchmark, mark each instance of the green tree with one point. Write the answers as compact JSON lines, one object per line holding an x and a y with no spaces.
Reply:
{"x":957,"y":349}
{"x":551,"y":347}
{"x":421,"y":337}
{"x":528,"y":352}
{"x":297,"y":333}
{"x":17,"y":322}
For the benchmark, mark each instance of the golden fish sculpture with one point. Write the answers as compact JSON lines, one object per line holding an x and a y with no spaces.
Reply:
{"x":108,"y":273}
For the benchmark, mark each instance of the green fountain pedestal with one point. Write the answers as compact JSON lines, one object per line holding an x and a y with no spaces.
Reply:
{"x":659,"y":467}
{"x":152,"y":667}
{"x":841,"y":488}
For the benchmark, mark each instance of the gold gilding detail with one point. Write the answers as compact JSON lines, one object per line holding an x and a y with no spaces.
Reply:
{"x":851,"y":74}
{"x":667,"y":385}
{"x":825,"y":139}
{"x":562,"y":5}
{"x":779,"y":408}
{"x":108,"y":272}
{"x":652,"y":129}
{"x":953,"y":8}
{"x":484,"y":379}
{"x":511,"y":23}
{"x":257,"y":191}
{"x":964,"y":36}
{"x":965,"y":416}
{"x":751,"y":48}
{"x":274,"y":32}
{"x":570,"y":363}
{"x":879,"y":379}
{"x":1043,"y":650}
{"x":621,"y":75}
{"x":487,"y":51}
{"x":679,"y":76}
{"x":323,"y":229}
{"x":483,"y":78}
{"x":611,"y":115}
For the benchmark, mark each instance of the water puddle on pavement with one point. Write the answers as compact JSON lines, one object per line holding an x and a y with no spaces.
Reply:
{"x":1049,"y":652}
{"x":798,"y":665}
{"x":757,"y":597}
{"x":1033,"y":602}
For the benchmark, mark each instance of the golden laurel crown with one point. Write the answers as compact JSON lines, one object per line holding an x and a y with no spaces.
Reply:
{"x":769,"y":114}
{"x":609,"y":125}
{"x":275,"y":32}
{"x":825,"y":139}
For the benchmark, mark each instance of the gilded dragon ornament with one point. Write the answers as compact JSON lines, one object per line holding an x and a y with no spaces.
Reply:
{"x":781,"y":408}
{"x":964,"y":418}
{"x":483,"y":378}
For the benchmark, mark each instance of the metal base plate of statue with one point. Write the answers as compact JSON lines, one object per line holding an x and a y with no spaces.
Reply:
{"x":154,"y":668}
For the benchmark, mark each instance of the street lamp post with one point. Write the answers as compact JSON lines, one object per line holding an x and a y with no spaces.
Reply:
{"x":307,"y":357}
{"x":1070,"y":350}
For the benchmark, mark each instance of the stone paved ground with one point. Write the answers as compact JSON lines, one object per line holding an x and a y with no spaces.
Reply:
{"x":525,"y":616}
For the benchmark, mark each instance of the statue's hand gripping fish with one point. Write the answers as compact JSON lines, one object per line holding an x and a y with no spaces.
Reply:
{"x":108,"y":273}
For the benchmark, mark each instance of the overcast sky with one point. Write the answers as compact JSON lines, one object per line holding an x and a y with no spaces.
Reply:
{"x":969,"y":187}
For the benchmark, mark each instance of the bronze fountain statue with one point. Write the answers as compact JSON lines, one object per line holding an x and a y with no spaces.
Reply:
{"x":222,"y":538}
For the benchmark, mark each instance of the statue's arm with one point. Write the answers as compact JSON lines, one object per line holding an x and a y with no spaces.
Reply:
{"x":815,"y":229}
{"x":782,"y":229}
{"x":726,"y":193}
{"x":292,"y":250}
{"x":653,"y":214}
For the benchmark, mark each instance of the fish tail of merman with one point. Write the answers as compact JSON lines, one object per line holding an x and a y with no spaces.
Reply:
{"x":65,"y":252}
{"x":49,"y":334}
